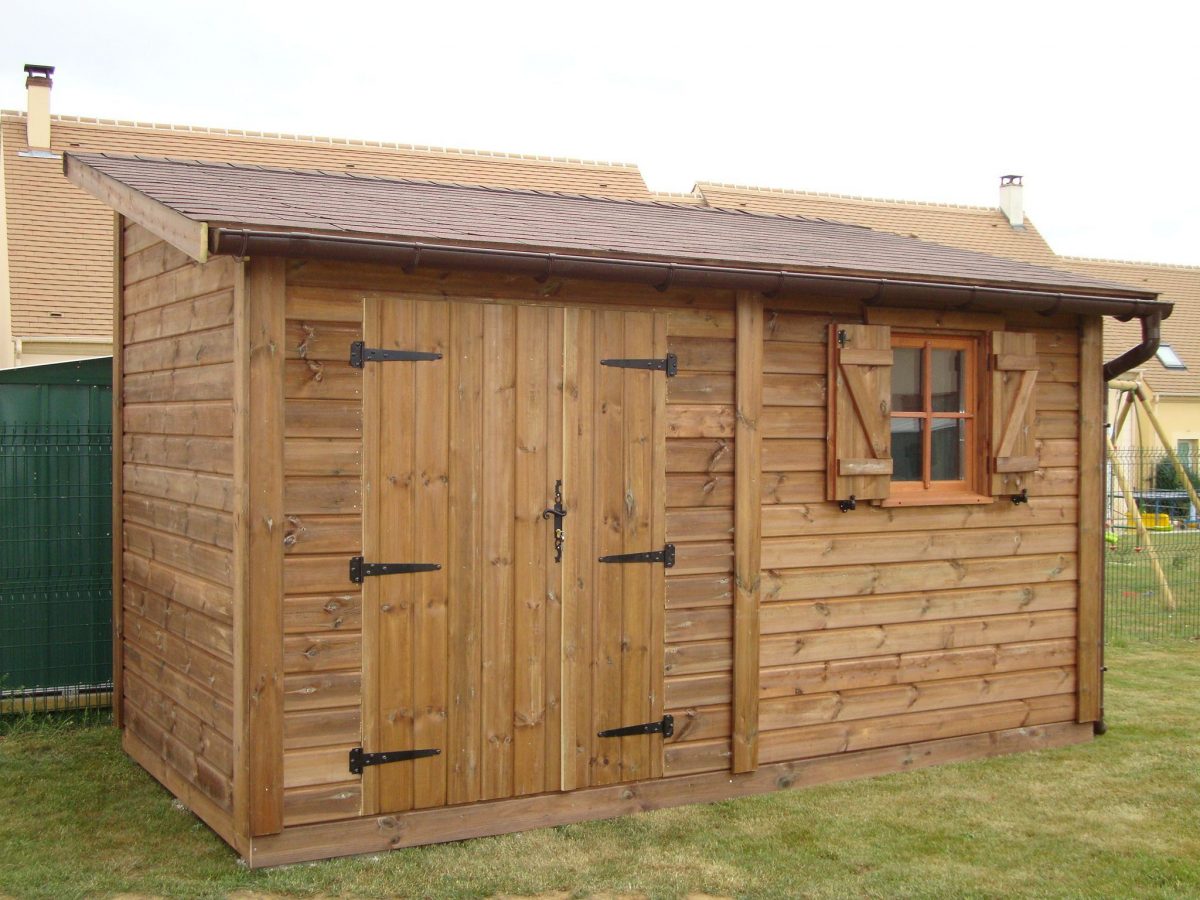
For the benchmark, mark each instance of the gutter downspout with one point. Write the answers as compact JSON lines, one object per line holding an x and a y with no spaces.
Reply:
{"x":1140,"y":353}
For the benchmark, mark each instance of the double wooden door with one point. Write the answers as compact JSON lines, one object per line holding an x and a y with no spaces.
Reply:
{"x":503,"y":658}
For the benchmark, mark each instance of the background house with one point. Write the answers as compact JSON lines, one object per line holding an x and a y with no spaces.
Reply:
{"x":51,"y":312}
{"x":1004,"y":230}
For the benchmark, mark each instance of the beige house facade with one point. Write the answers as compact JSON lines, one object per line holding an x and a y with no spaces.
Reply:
{"x":56,"y":258}
{"x":1173,"y":377}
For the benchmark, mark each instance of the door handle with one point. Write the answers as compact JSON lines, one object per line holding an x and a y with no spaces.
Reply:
{"x":559,"y":512}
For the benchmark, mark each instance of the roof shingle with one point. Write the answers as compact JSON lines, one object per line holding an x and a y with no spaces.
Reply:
{"x":351,"y":204}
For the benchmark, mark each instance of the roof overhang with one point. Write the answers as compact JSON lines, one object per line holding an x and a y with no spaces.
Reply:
{"x":663,"y":273}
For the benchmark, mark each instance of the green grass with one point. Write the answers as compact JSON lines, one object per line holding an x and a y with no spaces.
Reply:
{"x":1116,"y":817}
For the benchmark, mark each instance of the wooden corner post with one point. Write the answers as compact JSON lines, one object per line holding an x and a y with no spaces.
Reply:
{"x":747,"y":530}
{"x":1091,"y":521}
{"x":118,"y":468}
{"x":258,"y":601}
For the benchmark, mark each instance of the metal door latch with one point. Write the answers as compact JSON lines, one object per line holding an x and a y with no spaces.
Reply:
{"x":558,"y":512}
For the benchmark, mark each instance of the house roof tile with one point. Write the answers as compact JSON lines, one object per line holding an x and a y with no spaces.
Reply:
{"x":49,"y":219}
{"x":979,"y":228}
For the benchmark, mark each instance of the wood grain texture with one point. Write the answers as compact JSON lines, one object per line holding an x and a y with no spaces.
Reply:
{"x":1091,"y":522}
{"x":747,"y":531}
{"x":260,"y":438}
{"x":118,"y":458}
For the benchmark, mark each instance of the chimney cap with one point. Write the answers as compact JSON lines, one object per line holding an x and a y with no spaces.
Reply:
{"x":34,"y":69}
{"x":1010,"y":179}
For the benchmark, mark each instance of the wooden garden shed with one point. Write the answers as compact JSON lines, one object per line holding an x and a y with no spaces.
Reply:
{"x":449,"y":511}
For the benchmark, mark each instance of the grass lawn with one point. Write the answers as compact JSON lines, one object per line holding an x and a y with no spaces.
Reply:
{"x":1117,"y":817}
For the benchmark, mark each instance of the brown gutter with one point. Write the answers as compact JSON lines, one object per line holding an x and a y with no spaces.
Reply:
{"x":409,"y":255}
{"x":1140,"y":353}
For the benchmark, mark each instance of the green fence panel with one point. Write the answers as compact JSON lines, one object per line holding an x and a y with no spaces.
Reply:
{"x":55,"y":535}
{"x":1135,"y":605}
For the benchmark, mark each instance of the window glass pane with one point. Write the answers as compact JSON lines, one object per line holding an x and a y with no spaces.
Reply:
{"x":947,"y":381}
{"x":948,"y":450}
{"x":906,"y":379}
{"x":906,"y":449}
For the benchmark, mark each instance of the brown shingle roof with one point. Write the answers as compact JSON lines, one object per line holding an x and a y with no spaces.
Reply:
{"x":351,"y":204}
{"x":1178,"y":284}
{"x":50,"y":220}
{"x":978,"y":228}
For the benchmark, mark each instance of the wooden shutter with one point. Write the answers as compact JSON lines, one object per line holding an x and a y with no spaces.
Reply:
{"x":1014,"y":452}
{"x":860,"y":379}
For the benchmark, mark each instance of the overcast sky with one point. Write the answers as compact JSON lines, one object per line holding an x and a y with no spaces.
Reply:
{"x":1094,"y":103}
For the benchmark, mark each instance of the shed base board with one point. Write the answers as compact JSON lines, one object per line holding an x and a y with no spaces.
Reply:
{"x":373,"y":834}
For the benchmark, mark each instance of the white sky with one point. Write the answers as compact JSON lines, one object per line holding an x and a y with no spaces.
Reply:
{"x":1096,"y":104}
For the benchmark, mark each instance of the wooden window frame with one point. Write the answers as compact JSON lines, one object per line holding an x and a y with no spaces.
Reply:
{"x":971,"y":489}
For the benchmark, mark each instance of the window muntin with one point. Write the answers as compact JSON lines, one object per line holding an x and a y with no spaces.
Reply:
{"x":934,"y":414}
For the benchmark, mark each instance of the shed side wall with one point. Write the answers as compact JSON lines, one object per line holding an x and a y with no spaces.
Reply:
{"x":917,"y":623}
{"x":176,"y":390}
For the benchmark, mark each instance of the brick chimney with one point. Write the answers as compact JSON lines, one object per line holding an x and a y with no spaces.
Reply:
{"x":1012,"y":203}
{"x":37,"y":115}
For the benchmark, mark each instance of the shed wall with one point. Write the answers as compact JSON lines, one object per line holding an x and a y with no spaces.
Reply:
{"x":177,"y":499}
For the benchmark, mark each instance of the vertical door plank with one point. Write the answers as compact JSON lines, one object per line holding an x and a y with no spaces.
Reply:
{"x":373,"y":648}
{"x":534,"y":492}
{"x":396,"y":594}
{"x":637,"y":439}
{"x":430,"y":515}
{"x":464,"y":552}
{"x":747,"y":532}
{"x":498,"y":451}
{"x":579,"y":553}
{"x":658,"y":574}
{"x":609,"y":520}
{"x":552,"y":649}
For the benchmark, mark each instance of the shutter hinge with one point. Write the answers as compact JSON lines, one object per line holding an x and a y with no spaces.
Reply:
{"x":360,"y":355}
{"x":360,"y":570}
{"x":1022,"y":497}
{"x":666,"y":556}
{"x":670,"y":364}
{"x":665,"y":727}
{"x":360,"y":760}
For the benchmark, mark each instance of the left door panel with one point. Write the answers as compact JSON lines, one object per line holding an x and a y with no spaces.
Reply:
{"x":461,"y":455}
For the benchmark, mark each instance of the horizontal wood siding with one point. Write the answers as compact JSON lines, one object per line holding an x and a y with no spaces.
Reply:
{"x":176,"y":525}
{"x":701,"y":424}
{"x":322,"y":609}
{"x":887,"y":625}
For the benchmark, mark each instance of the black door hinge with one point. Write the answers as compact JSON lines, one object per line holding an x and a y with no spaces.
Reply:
{"x":670,"y":364}
{"x":360,"y":570}
{"x":665,"y":727}
{"x":360,"y":760}
{"x":666,"y":556}
{"x":360,"y":354}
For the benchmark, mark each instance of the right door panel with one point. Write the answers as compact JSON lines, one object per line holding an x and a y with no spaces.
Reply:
{"x":614,"y":475}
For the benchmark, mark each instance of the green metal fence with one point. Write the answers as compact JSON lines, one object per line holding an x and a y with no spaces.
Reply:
{"x":1137,"y":606}
{"x":56,"y":536}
